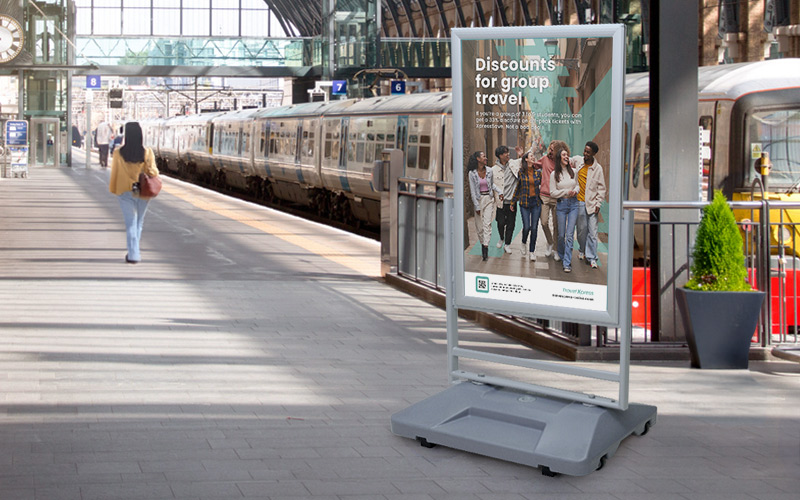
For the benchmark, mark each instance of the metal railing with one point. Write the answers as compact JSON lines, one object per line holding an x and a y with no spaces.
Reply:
{"x":769,"y":253}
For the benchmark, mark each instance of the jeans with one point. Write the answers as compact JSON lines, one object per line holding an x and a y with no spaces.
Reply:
{"x":530,"y":223}
{"x":103,"y":149}
{"x":567,"y":210}
{"x":133,"y":210}
{"x":587,"y":234}
{"x":506,"y":220}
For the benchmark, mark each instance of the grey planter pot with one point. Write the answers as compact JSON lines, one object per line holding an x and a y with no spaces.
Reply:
{"x":719,"y":326}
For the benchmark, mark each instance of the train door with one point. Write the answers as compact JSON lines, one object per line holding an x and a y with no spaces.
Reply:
{"x":402,"y":135}
{"x":298,"y":142}
{"x":447,"y":148}
{"x":626,"y":158}
{"x":707,"y":148}
{"x":345,"y":130}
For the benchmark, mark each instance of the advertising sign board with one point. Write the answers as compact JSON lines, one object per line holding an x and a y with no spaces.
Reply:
{"x":539,"y":92}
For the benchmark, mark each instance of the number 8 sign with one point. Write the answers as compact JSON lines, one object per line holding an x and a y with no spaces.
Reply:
{"x":93,"y":82}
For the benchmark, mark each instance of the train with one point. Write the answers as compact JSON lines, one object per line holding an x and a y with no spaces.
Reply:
{"x":321,"y":154}
{"x":318,"y":155}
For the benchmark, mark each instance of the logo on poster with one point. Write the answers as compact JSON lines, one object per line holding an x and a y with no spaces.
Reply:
{"x":482,"y":284}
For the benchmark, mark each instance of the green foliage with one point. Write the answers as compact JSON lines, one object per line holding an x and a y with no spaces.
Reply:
{"x":718,"y":258}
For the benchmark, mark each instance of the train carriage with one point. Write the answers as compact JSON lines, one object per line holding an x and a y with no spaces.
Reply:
{"x":232,"y":148}
{"x":194,"y":142}
{"x":744,"y":110}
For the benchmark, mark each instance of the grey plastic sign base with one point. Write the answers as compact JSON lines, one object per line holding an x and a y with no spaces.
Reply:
{"x":558,"y":435}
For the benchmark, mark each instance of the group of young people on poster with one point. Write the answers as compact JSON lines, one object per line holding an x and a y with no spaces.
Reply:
{"x":567,"y":190}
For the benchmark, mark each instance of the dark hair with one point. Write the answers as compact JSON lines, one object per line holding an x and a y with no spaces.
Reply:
{"x":133,"y":150}
{"x":594,"y":147}
{"x":500,"y":150}
{"x":472,"y":162}
{"x":524,"y":163}
{"x":559,"y":169}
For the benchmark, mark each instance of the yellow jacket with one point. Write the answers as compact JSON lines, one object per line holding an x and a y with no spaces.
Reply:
{"x":124,"y":174}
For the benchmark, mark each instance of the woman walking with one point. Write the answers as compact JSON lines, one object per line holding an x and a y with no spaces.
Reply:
{"x":127,"y":163}
{"x":481,"y":185}
{"x":564,"y":187}
{"x":530,"y":202}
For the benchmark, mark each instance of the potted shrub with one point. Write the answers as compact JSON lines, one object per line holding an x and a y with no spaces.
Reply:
{"x":718,"y":306}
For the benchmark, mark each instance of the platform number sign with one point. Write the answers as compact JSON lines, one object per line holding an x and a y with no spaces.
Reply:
{"x":398,"y":87}
{"x":339,"y":87}
{"x":93,"y":82}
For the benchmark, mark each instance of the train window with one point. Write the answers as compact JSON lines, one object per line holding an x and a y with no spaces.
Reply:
{"x":776,"y":133}
{"x":637,"y":161}
{"x":425,"y":152}
{"x":360,"y":152}
{"x":411,"y":157}
{"x":351,"y":148}
{"x":369,"y":154}
{"x":328,"y":142}
{"x":381,"y":137}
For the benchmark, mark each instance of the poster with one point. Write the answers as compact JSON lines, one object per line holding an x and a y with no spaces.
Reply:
{"x":533,"y":92}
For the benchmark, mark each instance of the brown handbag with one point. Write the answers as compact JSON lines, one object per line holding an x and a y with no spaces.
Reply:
{"x":149,"y":187}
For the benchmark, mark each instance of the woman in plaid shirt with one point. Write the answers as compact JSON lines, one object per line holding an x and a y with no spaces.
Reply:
{"x":530,"y":204}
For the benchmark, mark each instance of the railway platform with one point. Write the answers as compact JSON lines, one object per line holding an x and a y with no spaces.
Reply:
{"x":252,"y":354}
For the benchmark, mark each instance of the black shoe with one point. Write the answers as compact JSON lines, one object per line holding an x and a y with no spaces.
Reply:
{"x":129,"y":261}
{"x":485,"y":252}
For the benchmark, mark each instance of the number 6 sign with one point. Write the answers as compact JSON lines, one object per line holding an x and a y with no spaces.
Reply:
{"x":398,"y":87}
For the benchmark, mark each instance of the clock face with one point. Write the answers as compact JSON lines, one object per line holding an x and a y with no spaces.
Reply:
{"x":11,"y":38}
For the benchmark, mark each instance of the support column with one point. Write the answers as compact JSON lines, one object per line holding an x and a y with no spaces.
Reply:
{"x":674,"y":151}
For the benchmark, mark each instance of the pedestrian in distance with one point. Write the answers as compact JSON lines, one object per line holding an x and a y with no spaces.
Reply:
{"x":117,"y":141}
{"x":77,"y":138}
{"x":103,"y":136}
{"x":482,"y":190}
{"x":127,"y":163}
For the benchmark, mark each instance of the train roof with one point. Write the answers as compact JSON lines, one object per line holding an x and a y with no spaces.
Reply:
{"x":728,"y":81}
{"x":235,"y":116}
{"x":385,"y":105}
{"x":303,"y":109}
{"x":429,"y":102}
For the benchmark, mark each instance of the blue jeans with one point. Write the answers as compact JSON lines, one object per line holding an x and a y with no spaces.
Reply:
{"x":530,"y":223}
{"x":587,"y":234}
{"x":133,"y":210}
{"x":567,"y":210}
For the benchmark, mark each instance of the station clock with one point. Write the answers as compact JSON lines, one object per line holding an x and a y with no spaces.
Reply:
{"x":11,"y":38}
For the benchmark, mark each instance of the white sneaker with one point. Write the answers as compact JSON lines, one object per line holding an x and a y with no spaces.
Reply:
{"x":594,"y":264}
{"x":580,"y":255}
{"x":533,"y":257}
{"x":549,"y":251}
{"x":524,"y":250}
{"x":508,"y":249}
{"x":500,"y":244}
{"x":557,"y":258}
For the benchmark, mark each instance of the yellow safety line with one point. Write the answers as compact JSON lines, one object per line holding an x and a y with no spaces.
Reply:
{"x":356,"y":263}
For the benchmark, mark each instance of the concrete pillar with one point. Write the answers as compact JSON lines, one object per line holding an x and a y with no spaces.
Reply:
{"x":674,"y":148}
